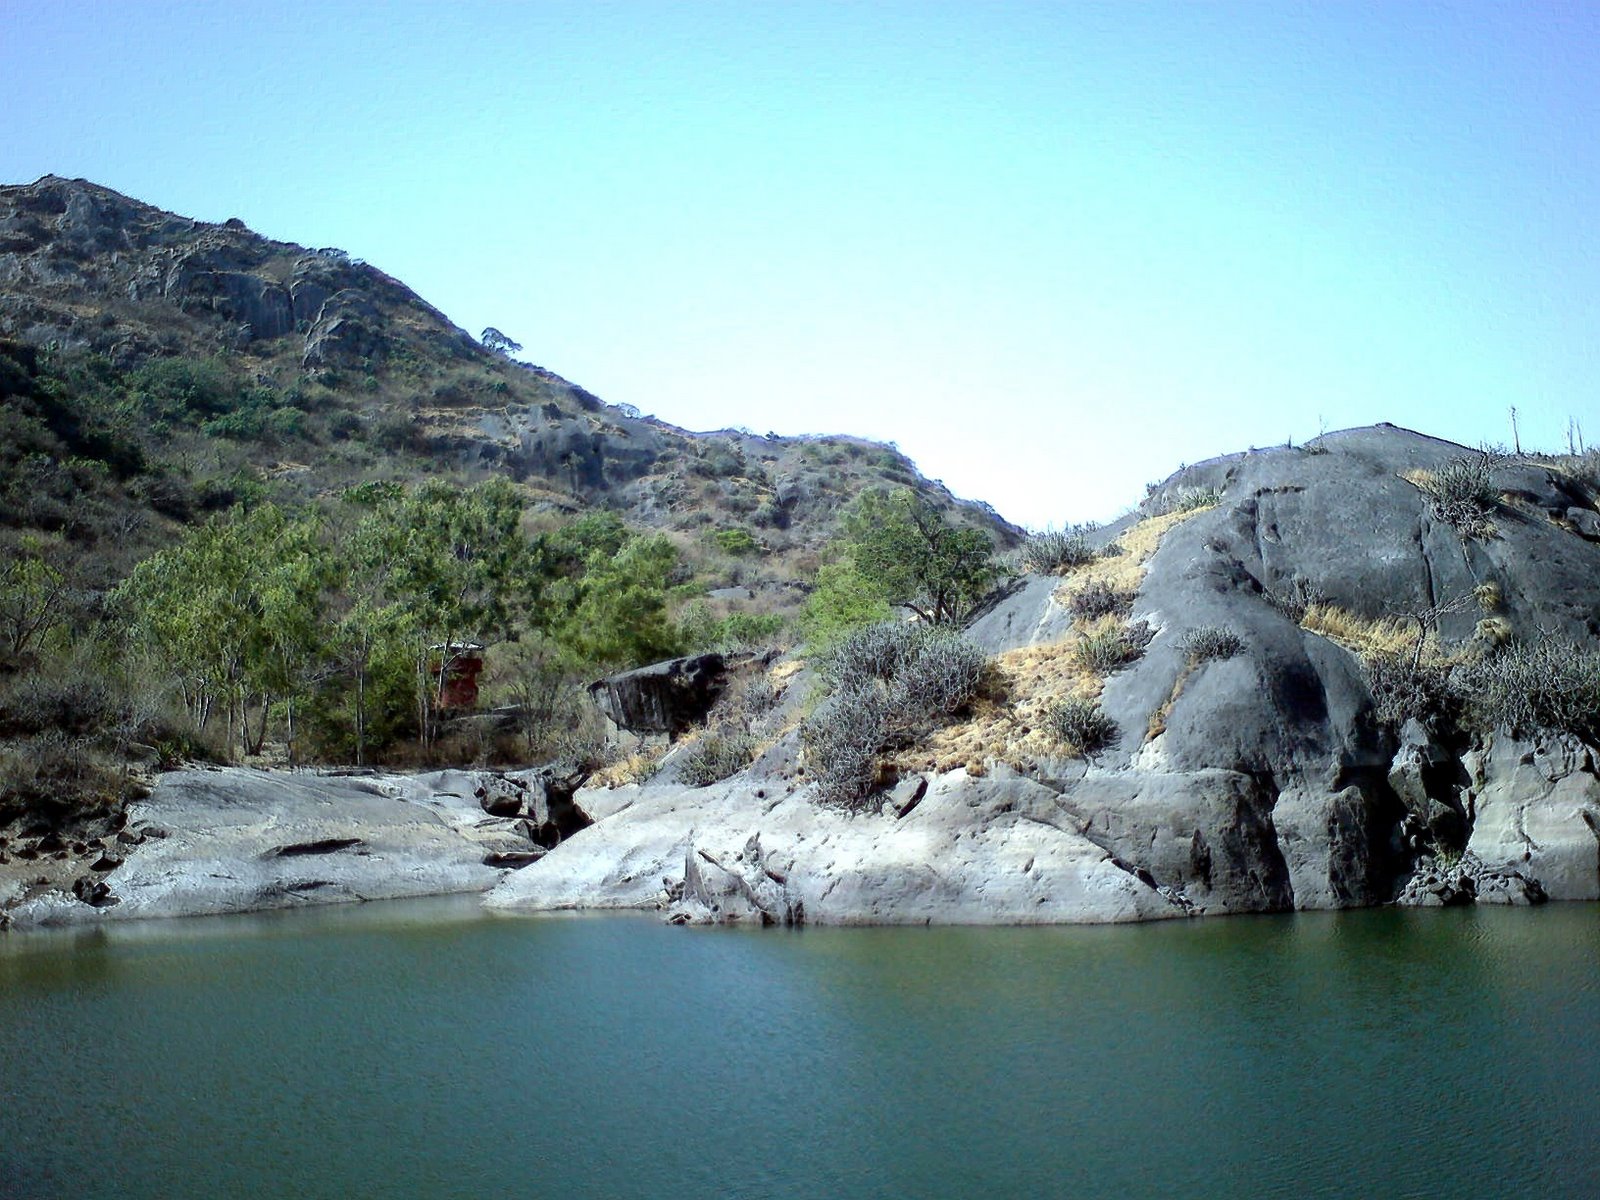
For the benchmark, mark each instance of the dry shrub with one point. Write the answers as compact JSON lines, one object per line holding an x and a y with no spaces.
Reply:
{"x":1056,"y":551}
{"x":1080,"y":727}
{"x":1097,"y":598}
{"x":1211,"y":643}
{"x":891,"y":683}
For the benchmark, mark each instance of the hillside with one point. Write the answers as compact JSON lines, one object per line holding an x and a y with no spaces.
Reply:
{"x":187,"y":365}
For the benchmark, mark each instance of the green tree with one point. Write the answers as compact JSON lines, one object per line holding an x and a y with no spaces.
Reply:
{"x":436,"y":568}
{"x":908,"y":554}
{"x":615,"y":614}
{"x":234,"y":611}
{"x":33,"y":589}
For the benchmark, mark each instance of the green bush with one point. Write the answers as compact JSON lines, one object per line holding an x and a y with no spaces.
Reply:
{"x":736,"y":541}
{"x":1080,"y":727}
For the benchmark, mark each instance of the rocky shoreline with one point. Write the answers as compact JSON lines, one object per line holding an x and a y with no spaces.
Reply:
{"x":1002,"y":849}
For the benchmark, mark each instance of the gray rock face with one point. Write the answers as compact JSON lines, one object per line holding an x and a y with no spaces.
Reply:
{"x":1257,"y":782}
{"x":1337,"y":809}
{"x":347,"y":329}
{"x":666,"y":697}
{"x":1538,"y":813}
{"x":1000,"y":850}
{"x":237,"y":840}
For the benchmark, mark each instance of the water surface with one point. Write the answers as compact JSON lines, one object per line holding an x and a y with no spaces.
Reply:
{"x":420,"y":1049}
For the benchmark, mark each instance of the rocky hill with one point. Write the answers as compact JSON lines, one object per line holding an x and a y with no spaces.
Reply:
{"x":1327,"y":686}
{"x":324,"y":371}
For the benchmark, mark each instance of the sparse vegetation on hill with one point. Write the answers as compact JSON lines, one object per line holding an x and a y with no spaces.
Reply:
{"x":233,"y":471}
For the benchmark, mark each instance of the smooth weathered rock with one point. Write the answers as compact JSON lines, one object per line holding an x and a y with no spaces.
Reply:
{"x":1538,"y":813}
{"x":236,"y":840}
{"x":996,"y":850}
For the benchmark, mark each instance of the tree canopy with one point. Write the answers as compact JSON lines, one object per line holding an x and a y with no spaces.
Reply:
{"x":909,"y":555}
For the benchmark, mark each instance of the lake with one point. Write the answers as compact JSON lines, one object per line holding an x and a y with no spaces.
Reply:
{"x":420,"y":1049}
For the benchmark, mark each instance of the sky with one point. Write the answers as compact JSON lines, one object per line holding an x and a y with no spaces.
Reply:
{"x":1053,"y":251}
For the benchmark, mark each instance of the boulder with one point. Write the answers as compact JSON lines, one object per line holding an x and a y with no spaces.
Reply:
{"x":667,"y":697}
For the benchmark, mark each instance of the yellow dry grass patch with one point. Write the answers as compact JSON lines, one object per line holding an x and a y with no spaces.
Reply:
{"x":1125,"y":572}
{"x":1003,"y":725}
{"x":1363,"y":635}
{"x":636,"y":768}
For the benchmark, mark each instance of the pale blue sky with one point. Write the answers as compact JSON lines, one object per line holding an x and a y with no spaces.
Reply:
{"x":1052,"y":250}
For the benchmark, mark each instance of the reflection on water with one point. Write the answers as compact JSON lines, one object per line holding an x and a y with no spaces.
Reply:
{"x":422,"y":1049}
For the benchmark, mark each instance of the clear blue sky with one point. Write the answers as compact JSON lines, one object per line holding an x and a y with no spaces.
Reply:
{"x":1052,"y":250}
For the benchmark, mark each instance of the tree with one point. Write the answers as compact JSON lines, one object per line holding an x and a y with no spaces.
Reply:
{"x":908,"y":554}
{"x":234,"y":610}
{"x":33,"y":590}
{"x":438,"y":566}
{"x":494,"y":340}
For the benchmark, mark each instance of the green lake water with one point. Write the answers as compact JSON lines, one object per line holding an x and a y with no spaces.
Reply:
{"x":420,"y":1050}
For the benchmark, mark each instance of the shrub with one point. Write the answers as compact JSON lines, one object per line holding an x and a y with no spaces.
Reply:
{"x":1182,"y":500}
{"x":1404,"y":689}
{"x":1295,"y":597}
{"x":926,"y":670}
{"x":843,"y":737}
{"x":1080,"y":727}
{"x":736,"y":541}
{"x":1052,"y":551}
{"x":719,"y":753}
{"x":890,"y":681}
{"x":1461,"y":494}
{"x":1547,"y":685}
{"x":1103,"y":650}
{"x":1097,"y":599}
{"x":1211,"y":642}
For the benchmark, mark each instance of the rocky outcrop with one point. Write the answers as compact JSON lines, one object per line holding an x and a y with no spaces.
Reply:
{"x":1260,"y":781}
{"x":1537,"y":812}
{"x":667,"y":697}
{"x":236,"y":840}
{"x":347,"y":331}
{"x":999,"y":850}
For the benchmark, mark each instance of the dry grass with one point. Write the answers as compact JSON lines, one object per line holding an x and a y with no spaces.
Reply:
{"x":1366,"y":635}
{"x":635,"y":768}
{"x":1006,"y":723}
{"x":1125,"y":572}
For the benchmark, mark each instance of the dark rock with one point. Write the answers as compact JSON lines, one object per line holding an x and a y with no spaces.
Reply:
{"x":348,"y":329}
{"x":1586,"y":521}
{"x":512,"y":859}
{"x":321,"y":846}
{"x":500,"y":796}
{"x":907,"y":793}
{"x":667,"y":697}
{"x":106,"y":862}
{"x":93,"y":891}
